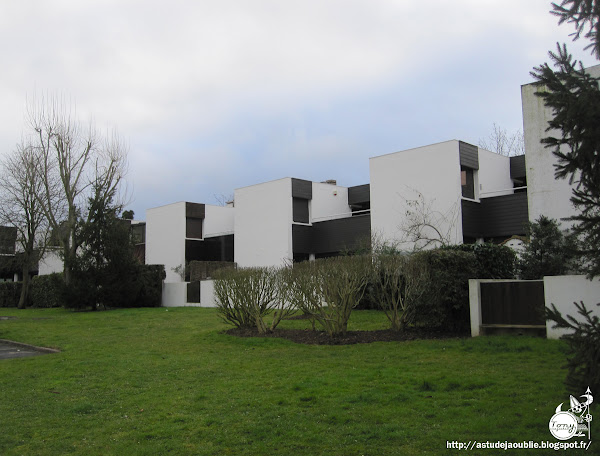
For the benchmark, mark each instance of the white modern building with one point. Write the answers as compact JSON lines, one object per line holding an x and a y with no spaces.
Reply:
{"x":294,"y":220}
{"x":452,"y":192}
{"x":178,"y":233}
{"x":470,"y":195}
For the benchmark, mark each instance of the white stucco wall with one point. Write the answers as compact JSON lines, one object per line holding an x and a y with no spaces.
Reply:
{"x":218,"y":220}
{"x":50,"y":263}
{"x":165,"y":238}
{"x":563,"y":291}
{"x":494,"y":174}
{"x":174,"y":294}
{"x":546,"y":195}
{"x":263,"y":224}
{"x":432,"y":170}
{"x":328,"y":202}
{"x":207,"y":294}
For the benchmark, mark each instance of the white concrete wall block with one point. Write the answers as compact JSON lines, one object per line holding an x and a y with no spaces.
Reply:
{"x":174,"y":294}
{"x":563,"y":291}
{"x":546,"y":195}
{"x":218,"y":220}
{"x":50,"y":263}
{"x":475,"y":306}
{"x":165,"y":238}
{"x":494,"y":175}
{"x":263,"y":224}
{"x":207,"y":293}
{"x":329,"y":202}
{"x":434,"y":171}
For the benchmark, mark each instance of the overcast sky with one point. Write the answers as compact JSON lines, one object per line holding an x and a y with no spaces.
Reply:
{"x":217,"y":95}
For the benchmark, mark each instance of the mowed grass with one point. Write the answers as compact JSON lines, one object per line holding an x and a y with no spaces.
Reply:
{"x":169,"y":381}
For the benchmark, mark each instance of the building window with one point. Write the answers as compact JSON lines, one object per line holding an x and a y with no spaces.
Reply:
{"x":467,"y":182}
{"x":193,"y":228}
{"x":300,"y":210}
{"x":138,"y":233}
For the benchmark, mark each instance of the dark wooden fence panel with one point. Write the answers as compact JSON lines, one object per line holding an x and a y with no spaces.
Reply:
{"x":193,"y":292}
{"x":512,"y":303}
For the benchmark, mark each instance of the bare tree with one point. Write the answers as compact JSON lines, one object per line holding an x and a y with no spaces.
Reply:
{"x":503,"y":143}
{"x":73,"y":156}
{"x":222,"y":199}
{"x":425,"y":227}
{"x":19,"y":207}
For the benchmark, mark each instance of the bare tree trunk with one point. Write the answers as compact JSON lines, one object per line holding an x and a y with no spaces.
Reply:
{"x":24,"y":298}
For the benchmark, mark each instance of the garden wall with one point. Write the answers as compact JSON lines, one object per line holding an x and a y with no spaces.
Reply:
{"x":175,"y":294}
{"x":561,"y":291}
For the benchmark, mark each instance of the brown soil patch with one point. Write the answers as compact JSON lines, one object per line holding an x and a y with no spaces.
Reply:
{"x":305,"y":336}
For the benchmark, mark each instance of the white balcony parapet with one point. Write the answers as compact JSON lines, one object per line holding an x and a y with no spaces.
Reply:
{"x":503,"y":190}
{"x":340,"y":216}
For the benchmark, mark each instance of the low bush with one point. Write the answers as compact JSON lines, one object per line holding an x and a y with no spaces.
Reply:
{"x":47,"y":291}
{"x":329,"y":289}
{"x":246,"y":296}
{"x":397,"y":284}
{"x":10,"y":293}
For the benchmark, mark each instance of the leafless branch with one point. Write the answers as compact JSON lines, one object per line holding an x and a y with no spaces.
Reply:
{"x":423,"y":226}
{"x":503,"y":143}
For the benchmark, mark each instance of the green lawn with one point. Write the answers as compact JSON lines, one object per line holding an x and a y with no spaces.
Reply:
{"x":158,"y":381}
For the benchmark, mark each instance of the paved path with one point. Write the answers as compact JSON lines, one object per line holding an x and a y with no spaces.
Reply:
{"x":9,"y":349}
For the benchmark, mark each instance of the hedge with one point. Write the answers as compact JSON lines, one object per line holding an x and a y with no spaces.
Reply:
{"x":151,"y":277}
{"x":445,"y":306}
{"x":10,"y":292}
{"x":493,"y":261}
{"x":47,"y":291}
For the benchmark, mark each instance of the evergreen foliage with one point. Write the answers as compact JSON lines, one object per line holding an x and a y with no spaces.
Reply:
{"x":105,"y":271}
{"x":127,"y":215}
{"x":549,"y":251}
{"x":574,"y":97}
{"x":150,"y":278}
{"x":584,"y":347}
{"x":583,"y":14}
